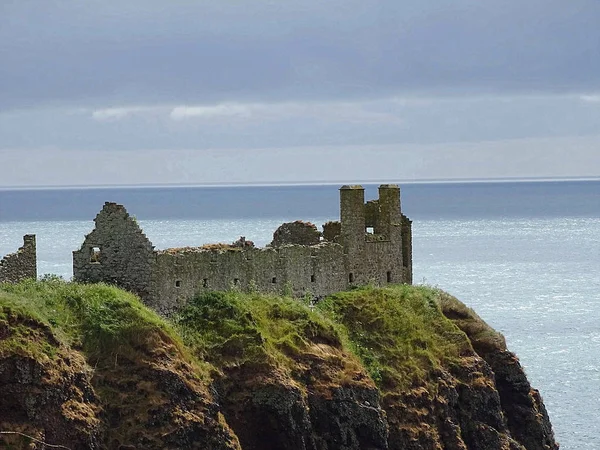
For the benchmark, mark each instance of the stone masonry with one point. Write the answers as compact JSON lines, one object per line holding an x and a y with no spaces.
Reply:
{"x":370,"y":244}
{"x":22,"y":264}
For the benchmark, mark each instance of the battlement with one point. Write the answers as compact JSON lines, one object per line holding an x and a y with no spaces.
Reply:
{"x":370,"y":244}
{"x":22,"y":264}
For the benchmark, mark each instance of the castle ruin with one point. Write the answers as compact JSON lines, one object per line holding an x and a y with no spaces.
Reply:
{"x":371,"y":243}
{"x":22,"y":264}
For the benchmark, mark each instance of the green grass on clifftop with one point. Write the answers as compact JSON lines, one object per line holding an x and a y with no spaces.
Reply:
{"x":101,"y":320}
{"x":399,"y":332}
{"x":233,"y":328}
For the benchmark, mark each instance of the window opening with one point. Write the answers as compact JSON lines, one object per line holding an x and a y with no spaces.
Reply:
{"x":351,"y":277}
{"x":389,"y":276}
{"x":312,"y":278}
{"x":177,"y":283}
{"x":95,"y":255}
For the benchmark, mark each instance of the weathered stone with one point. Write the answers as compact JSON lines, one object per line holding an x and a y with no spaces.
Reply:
{"x":22,"y":264}
{"x":298,"y":263}
{"x":331,"y":230}
{"x":298,"y":233}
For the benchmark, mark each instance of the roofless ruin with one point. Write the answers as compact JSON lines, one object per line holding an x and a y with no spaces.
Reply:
{"x":371,"y":243}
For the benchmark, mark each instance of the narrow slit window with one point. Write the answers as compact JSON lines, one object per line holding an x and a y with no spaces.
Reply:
{"x":389,"y":276}
{"x":312,"y":278}
{"x":95,"y":255}
{"x":351,"y":278}
{"x":177,"y":283}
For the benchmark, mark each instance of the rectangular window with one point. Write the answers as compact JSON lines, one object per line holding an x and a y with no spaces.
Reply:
{"x":389,"y":276}
{"x":178,"y":283}
{"x":95,"y":254}
{"x":236,"y":281}
{"x":312,"y":278}
{"x":351,"y":278}
{"x":274,"y":280}
{"x":205,"y":283}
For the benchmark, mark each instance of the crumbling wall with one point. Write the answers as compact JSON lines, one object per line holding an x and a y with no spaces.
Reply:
{"x":297,"y":262}
{"x":372,"y":236}
{"x":291,"y":269}
{"x":298,"y":232}
{"x":331,"y":230}
{"x":116,"y":252}
{"x":22,"y":264}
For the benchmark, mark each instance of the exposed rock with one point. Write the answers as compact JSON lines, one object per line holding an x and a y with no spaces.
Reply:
{"x":526,"y":415}
{"x":154,"y":401}
{"x":329,"y":403}
{"x":45,"y":389}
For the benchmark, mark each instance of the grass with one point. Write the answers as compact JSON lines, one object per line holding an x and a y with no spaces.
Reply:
{"x":234,"y":328}
{"x":100,"y":320}
{"x":398,"y":332}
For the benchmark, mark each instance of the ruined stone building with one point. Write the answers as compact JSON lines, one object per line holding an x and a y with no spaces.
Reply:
{"x":22,"y":264}
{"x":370,"y":244}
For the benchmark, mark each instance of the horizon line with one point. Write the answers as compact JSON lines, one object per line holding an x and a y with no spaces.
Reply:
{"x":304,"y":183}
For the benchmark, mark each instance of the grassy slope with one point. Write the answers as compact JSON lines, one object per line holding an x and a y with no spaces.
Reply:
{"x":399,"y":332}
{"x":232,"y":328}
{"x":100,"y":320}
{"x":152,"y":391}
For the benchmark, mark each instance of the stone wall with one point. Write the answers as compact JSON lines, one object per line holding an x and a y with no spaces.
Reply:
{"x":116,"y":252}
{"x":372,"y":236}
{"x":22,"y":264}
{"x":370,"y":244}
{"x":291,"y":269}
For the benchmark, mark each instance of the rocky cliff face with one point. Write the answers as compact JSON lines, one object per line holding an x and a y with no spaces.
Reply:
{"x":481,"y":401}
{"x":261,"y":373}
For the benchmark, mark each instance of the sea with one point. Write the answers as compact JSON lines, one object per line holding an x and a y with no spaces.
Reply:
{"x":524,"y":255}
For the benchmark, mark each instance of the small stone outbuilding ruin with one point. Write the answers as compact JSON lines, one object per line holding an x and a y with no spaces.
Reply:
{"x":22,"y":264}
{"x":371,"y":243}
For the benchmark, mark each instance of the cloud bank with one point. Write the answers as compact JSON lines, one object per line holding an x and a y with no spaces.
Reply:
{"x":191,"y":91}
{"x":202,"y":52}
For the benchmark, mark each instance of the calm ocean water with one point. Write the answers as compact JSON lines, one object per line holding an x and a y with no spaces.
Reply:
{"x":524,"y":255}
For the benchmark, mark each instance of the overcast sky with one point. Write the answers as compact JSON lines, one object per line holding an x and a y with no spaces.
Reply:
{"x":240,"y":91}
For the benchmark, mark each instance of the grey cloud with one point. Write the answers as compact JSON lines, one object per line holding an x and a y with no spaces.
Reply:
{"x":294,"y":124}
{"x":105,"y":53}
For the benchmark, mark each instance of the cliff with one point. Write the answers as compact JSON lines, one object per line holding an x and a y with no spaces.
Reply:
{"x":88,"y":366}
